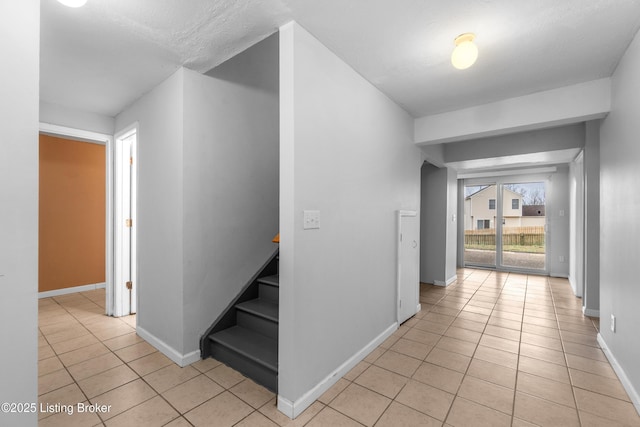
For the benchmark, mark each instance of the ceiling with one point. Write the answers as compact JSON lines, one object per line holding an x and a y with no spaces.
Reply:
{"x":102,"y":57}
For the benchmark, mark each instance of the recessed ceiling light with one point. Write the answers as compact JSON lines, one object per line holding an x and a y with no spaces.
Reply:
{"x":73,"y":3}
{"x":465,"y":53}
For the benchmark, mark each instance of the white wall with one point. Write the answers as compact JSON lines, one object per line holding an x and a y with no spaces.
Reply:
{"x":231,"y":154}
{"x":64,"y":116}
{"x":19,"y":74}
{"x":556,"y":107}
{"x":347,"y":151}
{"x":160,"y":209}
{"x":557,"y":209}
{"x":619,"y":228}
{"x":591,"y":295}
{"x":451,"y":226}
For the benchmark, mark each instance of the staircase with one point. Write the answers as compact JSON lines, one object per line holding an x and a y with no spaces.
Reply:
{"x":246,"y":336}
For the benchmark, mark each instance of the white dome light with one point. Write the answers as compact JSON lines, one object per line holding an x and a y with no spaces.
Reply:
{"x":73,"y":3}
{"x":465,"y":53}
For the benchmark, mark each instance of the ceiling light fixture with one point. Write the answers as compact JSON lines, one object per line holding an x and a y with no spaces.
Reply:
{"x":73,"y":3}
{"x":465,"y":53}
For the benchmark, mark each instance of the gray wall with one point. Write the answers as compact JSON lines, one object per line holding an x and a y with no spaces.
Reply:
{"x":438,"y":230}
{"x":559,"y":138}
{"x":591,"y":296}
{"x":19,"y":74}
{"x":63,"y":116}
{"x":433,"y":213}
{"x":230,"y":194}
{"x":347,"y":151}
{"x":160,"y":209}
{"x":434,"y":154}
{"x":619,"y":206}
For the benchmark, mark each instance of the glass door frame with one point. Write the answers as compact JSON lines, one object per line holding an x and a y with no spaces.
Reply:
{"x":479,"y":183}
{"x":499,"y":182}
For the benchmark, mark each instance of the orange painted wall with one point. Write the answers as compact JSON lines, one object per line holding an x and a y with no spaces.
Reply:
{"x":72,"y":213}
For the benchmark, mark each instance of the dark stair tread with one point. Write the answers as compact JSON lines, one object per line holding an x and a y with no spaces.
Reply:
{"x":257,"y":347}
{"x":270,"y":280}
{"x":260,"y":307}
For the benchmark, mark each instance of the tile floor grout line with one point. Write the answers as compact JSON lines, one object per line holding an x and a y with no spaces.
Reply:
{"x":515,"y":385}
{"x":564,"y":353}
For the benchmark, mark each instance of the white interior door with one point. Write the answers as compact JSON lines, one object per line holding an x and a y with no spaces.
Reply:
{"x":124,"y":298}
{"x":408,"y":264}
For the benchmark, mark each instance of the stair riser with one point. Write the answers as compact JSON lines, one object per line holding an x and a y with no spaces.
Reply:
{"x":247,"y":367}
{"x":258,"y":324}
{"x":269,"y":292}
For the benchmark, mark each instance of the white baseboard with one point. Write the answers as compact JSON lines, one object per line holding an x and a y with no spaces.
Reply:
{"x":577,"y":291}
{"x":180,"y":359}
{"x":626,"y":383}
{"x":449,"y":281}
{"x":572,"y":282}
{"x":293,"y":409}
{"x":72,"y":290}
{"x":590,"y":312}
{"x":559,"y":275}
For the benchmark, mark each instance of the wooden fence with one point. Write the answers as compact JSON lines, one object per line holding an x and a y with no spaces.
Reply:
{"x":516,"y":236}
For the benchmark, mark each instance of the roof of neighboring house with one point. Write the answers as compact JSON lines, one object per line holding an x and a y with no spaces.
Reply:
{"x":533,"y":210}
{"x":479,"y":191}
{"x":488,"y":187}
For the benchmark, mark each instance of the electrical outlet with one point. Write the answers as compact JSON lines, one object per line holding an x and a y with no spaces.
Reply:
{"x":561,"y":258}
{"x":613,"y":323}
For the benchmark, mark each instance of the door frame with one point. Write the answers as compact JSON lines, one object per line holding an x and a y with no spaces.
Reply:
{"x":461,"y":235}
{"x":499,"y":181}
{"x":400,"y":214}
{"x":107,"y":141}
{"x":117,"y":294}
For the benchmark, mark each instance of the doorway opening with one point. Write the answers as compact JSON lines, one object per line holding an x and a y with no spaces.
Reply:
{"x":75,"y":210}
{"x":505,"y":225}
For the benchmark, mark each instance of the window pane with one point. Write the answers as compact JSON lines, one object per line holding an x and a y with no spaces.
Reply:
{"x":479,"y":220}
{"x":523,"y":231}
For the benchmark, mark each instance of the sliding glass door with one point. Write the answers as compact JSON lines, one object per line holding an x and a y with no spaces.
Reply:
{"x":505,"y":225}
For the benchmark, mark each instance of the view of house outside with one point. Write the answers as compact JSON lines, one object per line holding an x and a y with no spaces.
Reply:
{"x":523,"y":225}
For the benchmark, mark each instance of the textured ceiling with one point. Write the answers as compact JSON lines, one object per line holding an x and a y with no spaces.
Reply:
{"x":102,"y":57}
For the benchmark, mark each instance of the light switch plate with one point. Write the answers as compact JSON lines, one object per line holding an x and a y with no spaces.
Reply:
{"x":311,"y":220}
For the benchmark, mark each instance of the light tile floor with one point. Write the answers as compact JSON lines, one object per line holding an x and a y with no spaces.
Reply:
{"x":492,"y":349}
